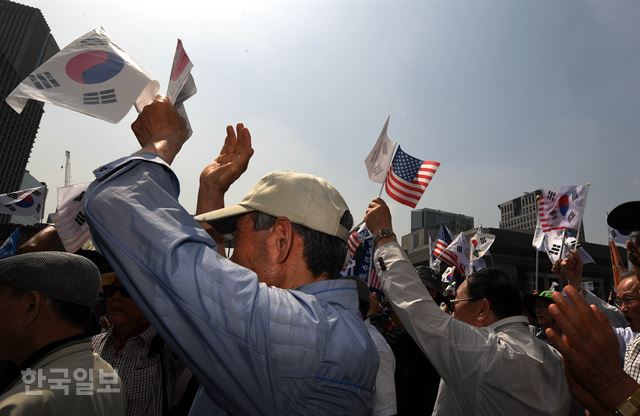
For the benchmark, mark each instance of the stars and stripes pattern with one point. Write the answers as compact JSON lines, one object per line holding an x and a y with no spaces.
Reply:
{"x":440,"y":249}
{"x":409,"y":177}
{"x":357,"y":236}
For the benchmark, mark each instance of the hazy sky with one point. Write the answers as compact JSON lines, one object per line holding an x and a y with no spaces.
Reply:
{"x":508,"y":96}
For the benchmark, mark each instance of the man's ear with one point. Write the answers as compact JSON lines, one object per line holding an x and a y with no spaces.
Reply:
{"x":282,"y":239}
{"x":484,"y":312}
{"x":31,"y":305}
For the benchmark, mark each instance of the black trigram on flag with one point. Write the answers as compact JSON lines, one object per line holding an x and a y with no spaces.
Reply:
{"x":11,"y":207}
{"x":80,"y":219}
{"x":555,"y":249}
{"x":100,"y":97}
{"x":43,"y":80}
{"x":551,"y":196}
{"x":94,"y":41}
{"x":459,"y":249}
{"x":79,"y":197}
{"x":36,"y":193}
{"x":38,"y":208}
{"x":483,"y":240}
{"x":12,"y":195}
{"x":571,"y":216}
{"x":553,"y":214}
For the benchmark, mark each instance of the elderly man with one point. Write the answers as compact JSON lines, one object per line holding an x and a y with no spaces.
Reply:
{"x":489,"y":362}
{"x":270,"y":332}
{"x":45,"y":301}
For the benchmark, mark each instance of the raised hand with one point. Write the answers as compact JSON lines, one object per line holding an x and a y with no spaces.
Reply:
{"x":570,"y":269}
{"x":160,"y":129}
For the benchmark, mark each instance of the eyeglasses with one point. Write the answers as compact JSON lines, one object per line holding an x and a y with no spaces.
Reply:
{"x":454,"y":301}
{"x":110,"y":290}
{"x":626,"y":300}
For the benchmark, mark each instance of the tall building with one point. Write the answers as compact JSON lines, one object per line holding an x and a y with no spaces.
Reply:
{"x":426,"y":221}
{"x":519,"y":214}
{"x":25,"y":43}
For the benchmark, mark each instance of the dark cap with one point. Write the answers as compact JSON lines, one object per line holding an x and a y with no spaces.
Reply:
{"x":62,"y":276}
{"x":625,"y":217}
{"x":429,"y":278}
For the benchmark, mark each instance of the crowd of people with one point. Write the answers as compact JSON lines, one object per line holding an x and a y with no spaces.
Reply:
{"x":162,"y":323}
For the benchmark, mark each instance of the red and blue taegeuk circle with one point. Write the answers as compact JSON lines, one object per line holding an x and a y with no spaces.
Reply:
{"x":94,"y":67}
{"x":563,"y":204}
{"x":25,"y":202}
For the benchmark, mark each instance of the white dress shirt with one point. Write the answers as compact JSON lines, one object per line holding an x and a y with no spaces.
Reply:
{"x":498,"y":370}
{"x":384,"y":402}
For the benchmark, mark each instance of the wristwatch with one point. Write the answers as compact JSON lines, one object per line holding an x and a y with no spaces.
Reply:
{"x":384,"y":233}
{"x":629,"y":407}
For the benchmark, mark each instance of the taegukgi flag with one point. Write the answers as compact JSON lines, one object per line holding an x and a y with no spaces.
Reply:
{"x":480,"y":244}
{"x":181,"y":83}
{"x":27,"y":202}
{"x":91,"y":75}
{"x":69,"y":218}
{"x":380,"y":157}
{"x":562,"y":207}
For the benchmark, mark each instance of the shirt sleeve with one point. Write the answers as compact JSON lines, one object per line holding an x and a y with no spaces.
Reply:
{"x":212,"y":312}
{"x":452,"y":346}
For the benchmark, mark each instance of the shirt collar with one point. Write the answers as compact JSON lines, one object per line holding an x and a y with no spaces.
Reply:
{"x":517,"y":320}
{"x":44,"y":351}
{"x":338,"y":291}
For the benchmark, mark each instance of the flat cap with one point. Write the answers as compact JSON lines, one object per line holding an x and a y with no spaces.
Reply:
{"x":59,"y":275}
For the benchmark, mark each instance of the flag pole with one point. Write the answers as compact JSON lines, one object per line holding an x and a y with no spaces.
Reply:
{"x":537,"y":251}
{"x":395,"y":147}
{"x":564,"y":238}
{"x":586,"y":194}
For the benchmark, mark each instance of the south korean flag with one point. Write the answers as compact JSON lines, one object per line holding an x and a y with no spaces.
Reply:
{"x":70,"y":220}
{"x":91,"y":75}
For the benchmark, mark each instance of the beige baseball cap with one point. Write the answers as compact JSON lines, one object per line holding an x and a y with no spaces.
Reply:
{"x":302,"y":198}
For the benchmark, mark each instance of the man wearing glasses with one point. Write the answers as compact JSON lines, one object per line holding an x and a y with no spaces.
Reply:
{"x":489,"y":362}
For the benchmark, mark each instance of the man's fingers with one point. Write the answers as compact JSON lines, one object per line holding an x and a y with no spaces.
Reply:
{"x":557,"y":342}
{"x":243,"y":146}
{"x":561,"y":311}
{"x":229,"y":141}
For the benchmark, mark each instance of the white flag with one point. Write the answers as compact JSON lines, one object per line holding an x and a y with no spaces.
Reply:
{"x":538,"y":239}
{"x":553,"y":246}
{"x":27,"y":203}
{"x":380,"y":157}
{"x":562,"y":207}
{"x":448,"y":274}
{"x":480,"y":244}
{"x":91,"y":75}
{"x":69,"y":218}
{"x":460,"y":249}
{"x":181,"y":83}
{"x":477,"y":265}
{"x":618,"y":236}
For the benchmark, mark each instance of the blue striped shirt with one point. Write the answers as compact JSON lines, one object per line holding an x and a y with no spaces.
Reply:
{"x":255,"y":349}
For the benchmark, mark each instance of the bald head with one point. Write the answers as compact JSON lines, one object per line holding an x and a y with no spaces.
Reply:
{"x":628,"y":298}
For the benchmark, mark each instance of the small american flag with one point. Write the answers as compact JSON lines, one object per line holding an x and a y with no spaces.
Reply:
{"x":409,"y":177}
{"x":440,"y":250}
{"x":356,"y":238}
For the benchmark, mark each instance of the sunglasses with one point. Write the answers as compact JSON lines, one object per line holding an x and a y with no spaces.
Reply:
{"x":110,"y":290}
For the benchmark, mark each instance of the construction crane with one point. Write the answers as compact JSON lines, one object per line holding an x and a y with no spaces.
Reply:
{"x":67,"y":168}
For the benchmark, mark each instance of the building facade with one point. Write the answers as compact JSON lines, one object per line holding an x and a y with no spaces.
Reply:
{"x":426,"y":222}
{"x":25,"y":43}
{"x":520,"y":213}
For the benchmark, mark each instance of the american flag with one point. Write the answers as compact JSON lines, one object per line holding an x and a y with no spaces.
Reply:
{"x":356,"y":238}
{"x":440,"y":250}
{"x":409,"y":177}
